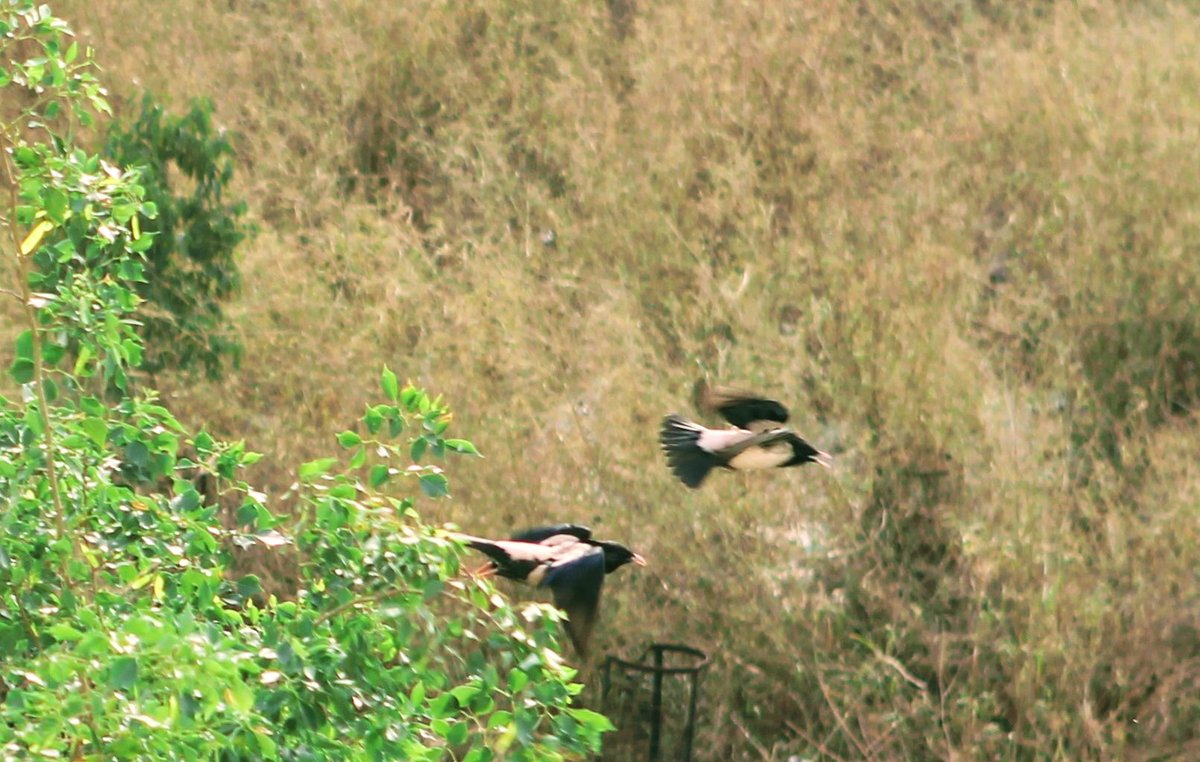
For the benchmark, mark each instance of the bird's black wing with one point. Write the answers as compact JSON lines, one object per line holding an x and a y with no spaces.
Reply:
{"x":539,"y":534}
{"x":743,"y":409}
{"x":576,"y":584}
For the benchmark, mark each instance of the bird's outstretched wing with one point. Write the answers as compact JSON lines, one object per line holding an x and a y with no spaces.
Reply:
{"x":576,"y":582}
{"x":743,"y":409}
{"x":515,"y":559}
{"x":539,"y":534}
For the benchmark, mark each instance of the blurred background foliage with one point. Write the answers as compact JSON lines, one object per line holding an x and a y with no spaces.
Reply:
{"x":959,"y":238}
{"x":190,"y":268}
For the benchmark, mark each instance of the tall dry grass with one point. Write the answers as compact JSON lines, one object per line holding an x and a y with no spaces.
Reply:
{"x":959,"y":238}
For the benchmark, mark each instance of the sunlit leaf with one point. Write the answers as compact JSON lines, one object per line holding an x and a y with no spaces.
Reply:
{"x":315,"y":468}
{"x":391,"y":386}
{"x":35,"y":236}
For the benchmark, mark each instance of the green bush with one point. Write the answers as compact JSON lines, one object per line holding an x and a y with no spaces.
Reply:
{"x":122,"y":633}
{"x":190,"y":270}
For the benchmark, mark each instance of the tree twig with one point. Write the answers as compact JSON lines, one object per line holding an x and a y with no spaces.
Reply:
{"x":39,"y":371}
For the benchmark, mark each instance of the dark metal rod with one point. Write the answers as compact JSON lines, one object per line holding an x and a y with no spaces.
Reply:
{"x":656,"y":705}
{"x":691,"y":718}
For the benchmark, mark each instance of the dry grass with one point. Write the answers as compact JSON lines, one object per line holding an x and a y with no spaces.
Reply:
{"x":960,"y":238}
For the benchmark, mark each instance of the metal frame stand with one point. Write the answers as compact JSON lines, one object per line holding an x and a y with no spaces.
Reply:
{"x":658,"y":669}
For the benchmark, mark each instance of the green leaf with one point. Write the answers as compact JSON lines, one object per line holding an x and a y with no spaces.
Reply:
{"x":418,"y":448}
{"x":203,"y":443}
{"x":517,"y":679}
{"x":81,"y":362}
{"x":22,"y":369}
{"x":315,"y":468}
{"x":63,"y":631}
{"x":96,"y":430}
{"x":442,"y":706}
{"x":435,"y":485}
{"x":349,"y":439}
{"x":463,"y":446}
{"x":592,"y":720}
{"x":52,"y":353}
{"x":373,"y":420}
{"x":464,"y":693}
{"x":344,"y":491}
{"x":391,"y":387}
{"x":458,"y":733}
{"x":377,"y":476}
{"x":479,"y":754}
{"x":499,"y":719}
{"x":142,"y":243}
{"x":55,"y":201}
{"x":123,"y":673}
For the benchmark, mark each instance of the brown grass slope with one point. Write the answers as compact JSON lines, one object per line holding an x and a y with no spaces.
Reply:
{"x":959,"y":237}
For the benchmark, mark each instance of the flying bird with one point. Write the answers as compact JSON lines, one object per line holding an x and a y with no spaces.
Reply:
{"x":565,"y":558}
{"x":756,"y":439}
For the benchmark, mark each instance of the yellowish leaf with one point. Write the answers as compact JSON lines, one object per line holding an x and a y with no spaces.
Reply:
{"x":35,"y":236}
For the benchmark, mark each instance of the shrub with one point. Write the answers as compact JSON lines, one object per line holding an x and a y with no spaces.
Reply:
{"x":122,"y":634}
{"x":190,"y":271}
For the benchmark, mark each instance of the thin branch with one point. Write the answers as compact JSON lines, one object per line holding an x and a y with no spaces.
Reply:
{"x":39,"y":371}
{"x":841,"y":721}
{"x":812,"y":741}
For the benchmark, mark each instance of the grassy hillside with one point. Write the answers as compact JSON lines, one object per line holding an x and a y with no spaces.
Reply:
{"x":960,"y":239}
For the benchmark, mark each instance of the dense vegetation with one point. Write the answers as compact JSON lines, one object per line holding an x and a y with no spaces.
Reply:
{"x":125,"y":631}
{"x":959,"y":237}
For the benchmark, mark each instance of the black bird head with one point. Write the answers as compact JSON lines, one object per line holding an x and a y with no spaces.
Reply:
{"x":803,"y":452}
{"x":617,"y":555}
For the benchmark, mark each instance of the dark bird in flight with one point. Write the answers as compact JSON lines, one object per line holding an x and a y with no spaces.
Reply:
{"x":565,"y":558}
{"x":757,"y":438}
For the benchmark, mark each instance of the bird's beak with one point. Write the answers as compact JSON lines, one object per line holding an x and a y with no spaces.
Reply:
{"x":639,"y":560}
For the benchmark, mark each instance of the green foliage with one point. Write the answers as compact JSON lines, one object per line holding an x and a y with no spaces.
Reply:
{"x":961,"y":238}
{"x":190,"y":270}
{"x":122,"y":633}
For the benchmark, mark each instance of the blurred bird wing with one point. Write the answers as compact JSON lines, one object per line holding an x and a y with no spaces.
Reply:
{"x":541,"y":534}
{"x":576,"y":581}
{"x":743,"y":409}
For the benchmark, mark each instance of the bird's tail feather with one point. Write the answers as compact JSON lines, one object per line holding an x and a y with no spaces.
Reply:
{"x":680,"y":441}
